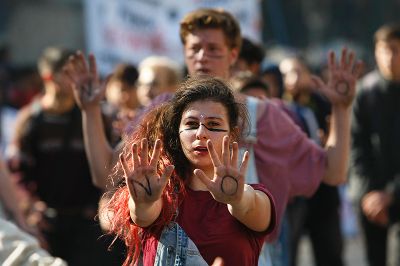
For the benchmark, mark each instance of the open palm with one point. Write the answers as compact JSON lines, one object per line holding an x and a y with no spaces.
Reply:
{"x":144,"y":183}
{"x":84,"y":80}
{"x":340,"y":88}
{"x":227,"y":184}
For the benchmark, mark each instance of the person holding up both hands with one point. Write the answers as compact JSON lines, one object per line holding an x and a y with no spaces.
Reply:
{"x":182,"y":180}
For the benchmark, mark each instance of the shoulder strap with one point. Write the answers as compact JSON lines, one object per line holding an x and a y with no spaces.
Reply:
{"x":251,"y":139}
{"x":251,"y":104}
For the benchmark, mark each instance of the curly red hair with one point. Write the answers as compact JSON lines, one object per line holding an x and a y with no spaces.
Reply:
{"x":121,"y":224}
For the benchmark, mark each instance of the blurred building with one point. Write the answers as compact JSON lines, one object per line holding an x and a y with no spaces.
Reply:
{"x":27,"y":26}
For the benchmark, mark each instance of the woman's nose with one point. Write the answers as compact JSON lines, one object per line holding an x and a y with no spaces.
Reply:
{"x":202,"y":132}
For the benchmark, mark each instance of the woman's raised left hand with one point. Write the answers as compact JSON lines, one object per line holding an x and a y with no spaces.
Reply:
{"x":227,"y":185}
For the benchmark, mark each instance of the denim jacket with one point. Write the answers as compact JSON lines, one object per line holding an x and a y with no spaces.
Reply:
{"x":175,"y":248}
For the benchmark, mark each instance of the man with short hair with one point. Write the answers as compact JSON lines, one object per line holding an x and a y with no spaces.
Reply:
{"x":375,"y":172}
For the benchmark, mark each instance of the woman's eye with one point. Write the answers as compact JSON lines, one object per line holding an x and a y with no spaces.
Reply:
{"x":213,"y":124}
{"x":192,"y":125}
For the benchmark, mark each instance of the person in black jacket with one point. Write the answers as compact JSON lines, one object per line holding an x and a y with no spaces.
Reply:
{"x":375,"y":173}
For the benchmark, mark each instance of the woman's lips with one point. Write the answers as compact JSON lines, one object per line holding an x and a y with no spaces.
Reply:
{"x":200,"y":150}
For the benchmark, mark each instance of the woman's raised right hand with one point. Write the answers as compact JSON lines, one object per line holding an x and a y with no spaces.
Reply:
{"x":144,"y":182}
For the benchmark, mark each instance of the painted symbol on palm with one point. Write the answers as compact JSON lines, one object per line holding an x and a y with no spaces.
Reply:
{"x":343,"y":88}
{"x":229,"y":185}
{"x":144,"y":182}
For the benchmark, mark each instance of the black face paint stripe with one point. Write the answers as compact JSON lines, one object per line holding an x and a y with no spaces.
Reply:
{"x":209,"y":129}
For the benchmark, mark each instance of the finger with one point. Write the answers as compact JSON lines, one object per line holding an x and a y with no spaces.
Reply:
{"x":129,"y":183}
{"x":370,"y":210}
{"x":365,"y":210}
{"x":135,"y":157}
{"x":203,"y":178}
{"x":72,"y":62}
{"x":366,"y":205}
{"x":80,"y":62}
{"x":226,"y":151}
{"x":350,"y":62}
{"x":67,"y":73}
{"x":343,"y":58}
{"x":213,"y":154}
{"x":235,"y":154}
{"x":123,"y":165}
{"x":70,"y":71}
{"x":243,"y":165}
{"x":320,"y":85}
{"x":100,"y":91}
{"x":144,"y":153}
{"x":375,"y":213}
{"x":83,"y":63}
{"x":358,"y":69}
{"x":68,"y":63}
{"x":156,"y":153}
{"x":73,"y":70}
{"x":166,"y":175}
{"x":331,"y":61}
{"x":93,"y":66}
{"x":67,"y":82}
{"x":65,"y":69}
{"x":218,"y":262}
{"x":383,"y":217}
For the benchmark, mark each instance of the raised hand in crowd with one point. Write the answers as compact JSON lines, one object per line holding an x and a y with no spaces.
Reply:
{"x":88,"y":91}
{"x":84,"y":79}
{"x":340,"y":87}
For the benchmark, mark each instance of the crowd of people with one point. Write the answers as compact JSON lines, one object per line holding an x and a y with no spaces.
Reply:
{"x":229,"y":165}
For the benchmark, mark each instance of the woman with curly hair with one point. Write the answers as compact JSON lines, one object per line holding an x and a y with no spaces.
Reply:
{"x":183,"y":199}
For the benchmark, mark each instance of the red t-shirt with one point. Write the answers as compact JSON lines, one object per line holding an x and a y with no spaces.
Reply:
{"x":216,"y":232}
{"x":288,"y":163}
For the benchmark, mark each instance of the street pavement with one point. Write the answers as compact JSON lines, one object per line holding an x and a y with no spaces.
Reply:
{"x":353,"y":252}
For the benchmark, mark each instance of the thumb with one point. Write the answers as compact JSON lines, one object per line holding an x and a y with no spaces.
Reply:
{"x":320,"y":85}
{"x":203,"y":178}
{"x":167,"y":174}
{"x":101,"y":87}
{"x":317,"y":82}
{"x":218,"y":262}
